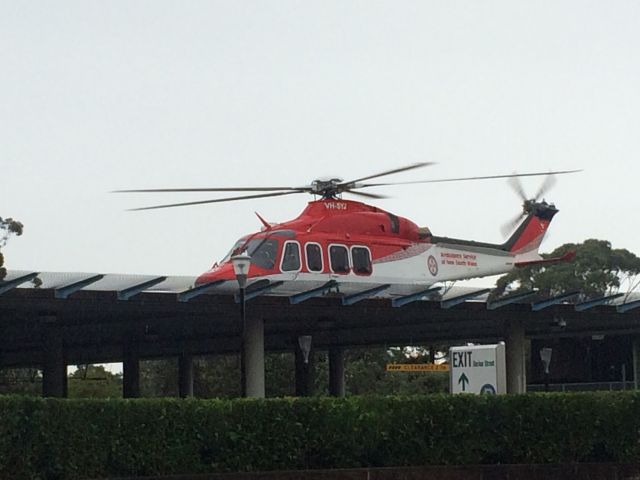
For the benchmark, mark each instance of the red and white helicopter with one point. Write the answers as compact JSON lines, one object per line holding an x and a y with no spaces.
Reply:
{"x":355,"y":244}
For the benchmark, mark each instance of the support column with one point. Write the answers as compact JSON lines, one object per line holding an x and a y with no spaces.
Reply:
{"x":336,"y":372}
{"x":185,"y":375}
{"x":515,"y":357}
{"x":131,"y":370}
{"x":54,"y":370}
{"x":305,"y":374}
{"x":253,"y":345}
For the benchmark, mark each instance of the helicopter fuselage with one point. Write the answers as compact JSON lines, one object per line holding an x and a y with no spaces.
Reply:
{"x":355,"y":244}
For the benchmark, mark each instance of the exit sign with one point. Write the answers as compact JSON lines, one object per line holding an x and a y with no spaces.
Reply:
{"x":478,"y":369}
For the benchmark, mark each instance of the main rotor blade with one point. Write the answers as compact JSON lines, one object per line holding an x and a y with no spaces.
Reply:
{"x":488,"y":177}
{"x":366,"y":195}
{"x":215,"y":189}
{"x":389,"y":172}
{"x":217,"y":200}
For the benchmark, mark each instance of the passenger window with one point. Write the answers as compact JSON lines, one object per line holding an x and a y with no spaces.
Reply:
{"x":361,"y":260}
{"x":291,"y":257}
{"x":314,"y":257}
{"x":339,"y":256}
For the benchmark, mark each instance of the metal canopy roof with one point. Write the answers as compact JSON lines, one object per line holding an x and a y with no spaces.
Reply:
{"x":129,"y":285}
{"x":98,"y":313}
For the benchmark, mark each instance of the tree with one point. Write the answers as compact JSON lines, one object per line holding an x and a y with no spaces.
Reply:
{"x":94,"y":381}
{"x":366,"y":372}
{"x":597,"y":269}
{"x":8,"y":227}
{"x":24,"y":381}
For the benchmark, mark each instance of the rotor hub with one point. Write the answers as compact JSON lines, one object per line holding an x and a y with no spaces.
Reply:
{"x":328,"y":187}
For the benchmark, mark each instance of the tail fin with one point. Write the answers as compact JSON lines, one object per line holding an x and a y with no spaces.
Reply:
{"x":527,"y":238}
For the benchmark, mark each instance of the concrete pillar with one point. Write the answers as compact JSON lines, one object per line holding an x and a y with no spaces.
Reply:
{"x":185,"y":375}
{"x":253,"y":347}
{"x":336,"y":372}
{"x":304,"y":374}
{"x":515,"y":357}
{"x":130,"y":370}
{"x":54,"y":369}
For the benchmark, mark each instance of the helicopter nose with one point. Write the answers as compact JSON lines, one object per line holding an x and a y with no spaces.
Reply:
{"x":221,"y":272}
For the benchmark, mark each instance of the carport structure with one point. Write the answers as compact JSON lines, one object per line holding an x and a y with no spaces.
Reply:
{"x":99,"y":318}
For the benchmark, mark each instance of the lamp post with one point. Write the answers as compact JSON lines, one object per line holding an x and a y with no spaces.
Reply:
{"x":545,"y":357}
{"x":241,"y":264}
{"x":304,"y":367}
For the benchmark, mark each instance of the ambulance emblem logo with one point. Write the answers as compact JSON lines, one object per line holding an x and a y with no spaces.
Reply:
{"x":432,"y":264}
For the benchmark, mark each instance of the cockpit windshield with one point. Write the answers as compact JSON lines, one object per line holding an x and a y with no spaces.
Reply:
{"x":263,"y":251}
{"x":235,"y":247}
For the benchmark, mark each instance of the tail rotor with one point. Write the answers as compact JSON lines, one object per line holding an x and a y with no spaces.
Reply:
{"x":515,"y":184}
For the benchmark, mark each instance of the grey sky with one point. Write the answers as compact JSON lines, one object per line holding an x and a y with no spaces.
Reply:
{"x":98,"y":96}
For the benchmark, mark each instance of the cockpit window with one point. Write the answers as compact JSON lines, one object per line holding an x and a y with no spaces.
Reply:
{"x":263,"y":252}
{"x":235,"y":247}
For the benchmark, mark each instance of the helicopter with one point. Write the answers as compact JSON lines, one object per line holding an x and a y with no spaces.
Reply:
{"x":354,"y":245}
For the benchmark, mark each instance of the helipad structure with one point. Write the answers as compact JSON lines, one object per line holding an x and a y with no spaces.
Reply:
{"x":75,"y":318}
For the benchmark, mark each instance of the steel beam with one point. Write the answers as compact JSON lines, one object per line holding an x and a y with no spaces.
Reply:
{"x":127,"y":293}
{"x":535,"y":307}
{"x":11,"y":284}
{"x":581,"y":307}
{"x":452,"y":302}
{"x":401,"y":301}
{"x":314,"y":292}
{"x":65,"y":291}
{"x":356,"y":297}
{"x":509,"y":299}
{"x":625,"y":307}
{"x":198,"y":290}
{"x":256,"y":292}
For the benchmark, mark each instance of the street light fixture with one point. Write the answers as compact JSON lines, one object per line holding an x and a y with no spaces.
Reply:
{"x":545,"y":357}
{"x":305,"y":346}
{"x":241,"y":264}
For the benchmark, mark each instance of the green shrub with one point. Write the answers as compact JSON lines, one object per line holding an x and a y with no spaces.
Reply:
{"x":50,"y":439}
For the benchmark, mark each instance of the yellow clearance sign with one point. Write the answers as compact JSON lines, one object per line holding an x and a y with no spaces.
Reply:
{"x":417,"y":367}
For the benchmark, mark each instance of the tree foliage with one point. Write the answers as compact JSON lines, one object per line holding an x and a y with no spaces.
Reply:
{"x":94,"y":381}
{"x":8,"y":227}
{"x":218,"y":376}
{"x":25,"y":381}
{"x":597,"y":269}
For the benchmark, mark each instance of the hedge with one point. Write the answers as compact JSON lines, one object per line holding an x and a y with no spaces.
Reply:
{"x":58,"y":438}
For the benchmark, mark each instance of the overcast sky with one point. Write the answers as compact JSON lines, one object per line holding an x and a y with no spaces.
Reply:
{"x":98,"y":96}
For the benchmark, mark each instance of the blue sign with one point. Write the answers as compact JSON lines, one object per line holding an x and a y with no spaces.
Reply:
{"x":488,"y":389}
